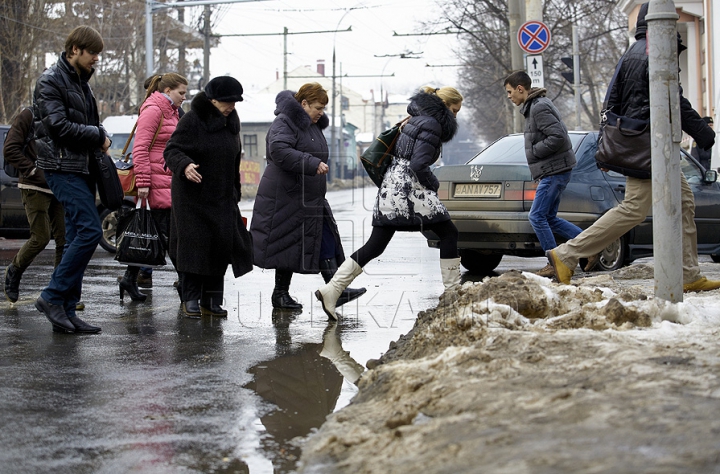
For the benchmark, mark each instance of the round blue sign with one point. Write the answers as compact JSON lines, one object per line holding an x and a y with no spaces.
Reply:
{"x":534,"y":37}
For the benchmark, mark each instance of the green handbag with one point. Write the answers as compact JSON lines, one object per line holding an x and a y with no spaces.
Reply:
{"x":377,"y":157}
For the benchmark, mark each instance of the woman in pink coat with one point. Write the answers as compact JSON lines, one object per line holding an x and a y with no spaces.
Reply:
{"x":157,"y":121}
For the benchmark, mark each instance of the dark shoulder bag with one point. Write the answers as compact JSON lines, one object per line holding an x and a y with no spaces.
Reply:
{"x":623,"y":142}
{"x":103,"y":170}
{"x":378,"y":156}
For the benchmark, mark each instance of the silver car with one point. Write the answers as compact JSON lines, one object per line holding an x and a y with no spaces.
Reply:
{"x":489,"y":199}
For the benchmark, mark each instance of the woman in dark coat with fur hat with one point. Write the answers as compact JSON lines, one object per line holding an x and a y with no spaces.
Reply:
{"x":292,"y":225}
{"x":407,"y":199}
{"x":207,"y":233}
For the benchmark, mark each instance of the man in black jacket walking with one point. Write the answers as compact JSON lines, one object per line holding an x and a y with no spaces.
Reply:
{"x":630,"y":97}
{"x":69,"y":132}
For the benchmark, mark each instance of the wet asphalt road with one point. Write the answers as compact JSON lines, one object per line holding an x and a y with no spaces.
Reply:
{"x":157,"y":392}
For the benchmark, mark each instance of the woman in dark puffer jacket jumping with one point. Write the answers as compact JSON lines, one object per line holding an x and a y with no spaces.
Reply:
{"x":407,"y":199}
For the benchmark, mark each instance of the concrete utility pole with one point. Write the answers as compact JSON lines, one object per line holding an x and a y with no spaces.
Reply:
{"x":576,"y":74}
{"x":516,"y":54}
{"x":206,"y":45}
{"x":666,"y":134}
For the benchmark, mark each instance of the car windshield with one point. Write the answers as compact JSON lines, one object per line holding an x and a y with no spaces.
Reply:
{"x":511,"y":150}
{"x":118,"y":143}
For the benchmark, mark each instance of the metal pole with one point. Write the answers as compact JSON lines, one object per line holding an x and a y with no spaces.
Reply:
{"x":332,"y":160}
{"x":206,"y":46}
{"x":576,"y":73}
{"x":665,"y":146}
{"x":285,"y":71}
{"x":149,"y":67}
{"x":516,"y":54}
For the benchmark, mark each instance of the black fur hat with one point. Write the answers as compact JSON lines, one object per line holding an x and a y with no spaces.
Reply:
{"x":224,"y":89}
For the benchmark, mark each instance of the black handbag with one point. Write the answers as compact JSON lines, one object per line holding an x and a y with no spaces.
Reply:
{"x":623,"y":142}
{"x":377,"y":157}
{"x":139,"y":242}
{"x":104,"y":172}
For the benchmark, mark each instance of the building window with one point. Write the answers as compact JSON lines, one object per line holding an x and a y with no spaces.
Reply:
{"x":344,"y":102}
{"x":250,"y":146}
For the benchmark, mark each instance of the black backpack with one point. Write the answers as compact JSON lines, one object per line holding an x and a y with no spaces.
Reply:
{"x":9,"y":169}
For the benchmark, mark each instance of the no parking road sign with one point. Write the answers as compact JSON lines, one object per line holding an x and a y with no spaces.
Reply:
{"x":533,"y":37}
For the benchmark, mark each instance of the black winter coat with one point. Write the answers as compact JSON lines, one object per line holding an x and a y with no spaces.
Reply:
{"x":287,"y":220}
{"x":206,"y":229}
{"x":548,"y":148}
{"x":630,"y":95}
{"x":407,"y":198}
{"x":67,"y":125}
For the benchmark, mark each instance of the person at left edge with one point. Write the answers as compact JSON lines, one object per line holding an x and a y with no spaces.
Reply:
{"x":206,"y":229}
{"x":45,"y":214}
{"x":68,"y":131}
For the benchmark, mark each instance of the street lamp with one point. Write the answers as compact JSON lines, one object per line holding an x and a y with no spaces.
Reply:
{"x":333,"y":134}
{"x":406,"y":55}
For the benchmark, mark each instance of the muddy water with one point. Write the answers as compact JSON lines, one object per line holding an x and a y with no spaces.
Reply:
{"x":157,"y":392}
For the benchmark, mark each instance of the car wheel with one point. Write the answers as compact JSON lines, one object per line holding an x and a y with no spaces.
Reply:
{"x":715,"y":258}
{"x":108,"y":221}
{"x":482,"y":263}
{"x":613,"y":256}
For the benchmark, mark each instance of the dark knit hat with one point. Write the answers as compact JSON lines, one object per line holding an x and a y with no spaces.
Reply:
{"x":224,"y":89}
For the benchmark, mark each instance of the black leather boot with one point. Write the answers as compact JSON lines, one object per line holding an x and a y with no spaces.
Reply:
{"x":328,"y":267}
{"x":281,"y":298}
{"x":191,"y":309}
{"x":129,"y":283}
{"x":56,"y":315}
{"x":12,"y":283}
{"x":83,"y":327}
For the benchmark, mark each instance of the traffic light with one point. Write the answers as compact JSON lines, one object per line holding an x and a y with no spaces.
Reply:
{"x":569,"y":76}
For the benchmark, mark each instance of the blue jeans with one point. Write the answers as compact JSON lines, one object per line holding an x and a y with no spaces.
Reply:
{"x":82,"y":234}
{"x":543,"y":213}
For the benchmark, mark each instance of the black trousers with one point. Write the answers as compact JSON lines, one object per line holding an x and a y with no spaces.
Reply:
{"x":381,"y":237}
{"x":205,"y":288}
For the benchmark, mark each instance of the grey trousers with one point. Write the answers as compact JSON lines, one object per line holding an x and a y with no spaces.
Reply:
{"x":629,"y":213}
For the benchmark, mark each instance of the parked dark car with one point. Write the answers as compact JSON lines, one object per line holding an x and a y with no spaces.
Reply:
{"x":490,"y":196}
{"x":13,"y":220}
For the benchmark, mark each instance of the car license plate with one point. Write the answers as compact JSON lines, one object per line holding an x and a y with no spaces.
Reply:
{"x":477,"y":190}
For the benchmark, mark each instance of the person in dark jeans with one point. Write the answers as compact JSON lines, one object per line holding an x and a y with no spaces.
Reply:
{"x":69,"y":133}
{"x":551,"y":158}
{"x":45,"y":214}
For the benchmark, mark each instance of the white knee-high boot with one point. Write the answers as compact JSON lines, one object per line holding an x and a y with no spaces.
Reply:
{"x":450,"y":269}
{"x":329,"y":294}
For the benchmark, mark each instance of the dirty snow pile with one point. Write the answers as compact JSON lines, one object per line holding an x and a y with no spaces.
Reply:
{"x":517,"y":374}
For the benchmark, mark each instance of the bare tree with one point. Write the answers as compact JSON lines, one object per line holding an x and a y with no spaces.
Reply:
{"x":23,"y":27}
{"x":484,"y":31}
{"x":30,"y":29}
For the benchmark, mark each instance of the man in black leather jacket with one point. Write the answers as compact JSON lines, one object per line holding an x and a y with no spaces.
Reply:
{"x":68,"y":133}
{"x":630,"y":96}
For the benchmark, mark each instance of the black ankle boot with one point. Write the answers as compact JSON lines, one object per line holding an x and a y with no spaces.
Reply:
{"x":212,"y":309}
{"x":328,"y":267}
{"x":281,"y":298}
{"x":191,"y":309}
{"x":12,"y":283}
{"x":129,"y":283}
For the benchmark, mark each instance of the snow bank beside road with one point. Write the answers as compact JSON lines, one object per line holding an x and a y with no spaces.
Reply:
{"x":517,"y":374}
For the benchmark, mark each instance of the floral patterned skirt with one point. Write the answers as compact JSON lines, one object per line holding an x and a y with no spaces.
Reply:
{"x":405,"y":203}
